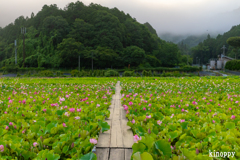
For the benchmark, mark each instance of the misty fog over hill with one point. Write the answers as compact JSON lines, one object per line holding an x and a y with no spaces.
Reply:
{"x":218,"y":24}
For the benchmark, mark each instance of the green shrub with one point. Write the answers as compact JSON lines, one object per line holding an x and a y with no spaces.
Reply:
{"x":46,"y":73}
{"x":128,"y":73}
{"x":111,"y":73}
{"x":74,"y":73}
{"x":144,"y":73}
{"x":138,"y":75}
{"x":12,"y":68}
{"x":233,"y":65}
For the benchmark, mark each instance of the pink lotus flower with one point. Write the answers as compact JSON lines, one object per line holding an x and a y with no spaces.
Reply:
{"x":24,"y":102}
{"x":5,"y":112}
{"x":136,"y":138}
{"x":144,"y":109}
{"x":182,"y":120}
{"x":130,"y":103}
{"x":10,"y":123}
{"x":35,"y":144}
{"x":93,"y":141}
{"x":133,"y":121}
{"x":172,"y":115}
{"x":6,"y":127}
{"x":127,"y":96}
{"x":233,"y":117}
{"x":65,"y":107}
{"x":1,"y":148}
{"x":159,"y":122}
{"x":149,"y":105}
{"x":98,"y":105}
{"x":67,"y":96}
{"x":195,"y":103}
{"x":148,"y":116}
{"x":77,"y":117}
{"x":79,"y":110}
{"x":64,"y":125}
{"x":236,"y":102}
{"x":10,"y":101}
{"x":187,"y":105}
{"x":127,"y":112}
{"x":23,"y":131}
{"x":72,"y":109}
{"x":67,"y":114}
{"x":183,"y":110}
{"x":197,"y":107}
{"x":61,"y":99}
{"x":230,"y":109}
{"x":44,"y":110}
{"x":213,"y":121}
{"x":125,"y":108}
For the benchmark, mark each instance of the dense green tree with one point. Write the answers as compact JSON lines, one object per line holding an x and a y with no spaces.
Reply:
{"x":56,"y":37}
{"x":133,"y":55}
{"x":69,"y":51}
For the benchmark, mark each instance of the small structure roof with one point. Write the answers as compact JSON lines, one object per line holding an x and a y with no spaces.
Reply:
{"x":223,"y":56}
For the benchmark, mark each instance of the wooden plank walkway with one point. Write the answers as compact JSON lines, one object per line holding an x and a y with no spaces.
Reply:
{"x":116,"y":143}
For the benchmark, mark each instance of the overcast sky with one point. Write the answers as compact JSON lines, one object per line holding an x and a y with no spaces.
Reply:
{"x":173,"y":16}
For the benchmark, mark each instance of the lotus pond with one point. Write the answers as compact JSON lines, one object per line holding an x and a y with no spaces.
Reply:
{"x":183,"y":118}
{"x":53,"y":118}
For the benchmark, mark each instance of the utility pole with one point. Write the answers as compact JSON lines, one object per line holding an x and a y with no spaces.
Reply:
{"x":92,"y":60}
{"x":79,"y":62}
{"x":15,"y":42}
{"x":23,"y":31}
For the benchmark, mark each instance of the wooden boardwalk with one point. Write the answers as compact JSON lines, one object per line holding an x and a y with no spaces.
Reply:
{"x":116,"y":143}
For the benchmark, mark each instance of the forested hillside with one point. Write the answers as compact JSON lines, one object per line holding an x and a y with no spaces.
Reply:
{"x":56,"y":37}
{"x":212,"y":47}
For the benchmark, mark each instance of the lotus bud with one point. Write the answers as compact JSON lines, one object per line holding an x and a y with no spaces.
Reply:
{"x":149,"y":131}
{"x":79,"y":136}
{"x":169,"y":140}
{"x":85,"y":123}
{"x":197,"y":151}
{"x":72,"y":145}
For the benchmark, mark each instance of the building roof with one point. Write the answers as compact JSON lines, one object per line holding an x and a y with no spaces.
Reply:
{"x":223,"y":56}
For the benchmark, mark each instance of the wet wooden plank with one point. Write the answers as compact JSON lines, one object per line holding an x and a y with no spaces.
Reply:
{"x":127,"y":134}
{"x":117,"y":154}
{"x":128,"y":154}
{"x":102,"y":153}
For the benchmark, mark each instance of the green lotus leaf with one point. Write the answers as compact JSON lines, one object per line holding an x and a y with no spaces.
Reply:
{"x":163,"y":147}
{"x":104,"y":126}
{"x":138,"y":147}
{"x":143,"y":156}
{"x":89,"y":156}
{"x":229,"y":125}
